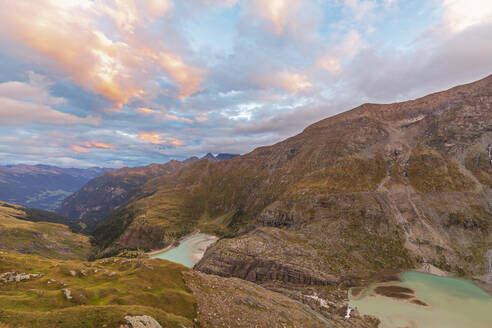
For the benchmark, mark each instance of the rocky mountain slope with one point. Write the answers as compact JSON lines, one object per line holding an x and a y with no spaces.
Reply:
{"x":26,"y":231}
{"x":379,"y":187}
{"x":42,"y":186}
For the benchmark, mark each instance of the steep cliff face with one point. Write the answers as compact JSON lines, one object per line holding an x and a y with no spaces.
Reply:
{"x":378,"y":187}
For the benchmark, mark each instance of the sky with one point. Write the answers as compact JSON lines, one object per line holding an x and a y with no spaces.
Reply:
{"x":126,"y":83}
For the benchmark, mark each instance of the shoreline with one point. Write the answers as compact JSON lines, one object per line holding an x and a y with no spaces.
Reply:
{"x":171,"y":246}
{"x":157,"y":251}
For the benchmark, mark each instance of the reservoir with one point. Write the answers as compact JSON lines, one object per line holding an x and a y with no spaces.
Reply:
{"x":423,"y":300}
{"x":189,"y":251}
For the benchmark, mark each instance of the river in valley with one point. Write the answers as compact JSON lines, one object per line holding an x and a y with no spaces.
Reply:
{"x":189,"y":251}
{"x":423,"y":300}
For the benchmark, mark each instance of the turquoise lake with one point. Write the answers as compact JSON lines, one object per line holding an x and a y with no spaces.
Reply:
{"x":452,"y":303}
{"x":189,"y":251}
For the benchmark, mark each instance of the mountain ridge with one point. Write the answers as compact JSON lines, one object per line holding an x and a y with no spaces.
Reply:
{"x":392,"y":186}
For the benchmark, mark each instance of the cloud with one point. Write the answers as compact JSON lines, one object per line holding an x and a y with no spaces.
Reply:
{"x":35,"y":90}
{"x":332,"y":58}
{"x":277,"y":12}
{"x":96,"y":144}
{"x":189,"y":78}
{"x":438,"y":63}
{"x":159,"y":114}
{"x":80,"y":149}
{"x":202,"y":117}
{"x":461,"y":14}
{"x":86,"y":147}
{"x":117,"y":65}
{"x":159,"y":139}
{"x":30,"y":102}
{"x":145,"y":110}
{"x":194,"y":76}
{"x":296,"y":18}
{"x":362,"y":8}
{"x":288,"y":81}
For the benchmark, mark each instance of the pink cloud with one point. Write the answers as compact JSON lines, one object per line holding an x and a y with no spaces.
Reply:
{"x":79,"y":149}
{"x":159,"y":139}
{"x":96,"y":144}
{"x":86,"y":146}
{"x":157,"y":113}
{"x":145,"y":110}
{"x":289,"y":81}
{"x":111,"y":65}
{"x":16,"y":112}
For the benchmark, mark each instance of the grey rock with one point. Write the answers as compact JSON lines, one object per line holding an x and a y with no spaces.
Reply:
{"x":143,"y":321}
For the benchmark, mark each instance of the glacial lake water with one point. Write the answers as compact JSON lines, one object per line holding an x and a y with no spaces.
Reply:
{"x":451,"y":303}
{"x":189,"y":251}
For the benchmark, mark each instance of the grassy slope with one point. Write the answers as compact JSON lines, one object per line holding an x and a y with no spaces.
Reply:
{"x":103,"y":292}
{"x":50,"y":240}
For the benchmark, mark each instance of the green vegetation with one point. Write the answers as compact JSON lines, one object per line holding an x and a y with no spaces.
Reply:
{"x":102,"y":292}
{"x":50,"y":240}
{"x":429,"y":171}
{"x":49,"y":199}
{"x":479,"y":164}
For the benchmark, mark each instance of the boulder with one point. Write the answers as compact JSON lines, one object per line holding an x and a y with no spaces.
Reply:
{"x":143,"y":321}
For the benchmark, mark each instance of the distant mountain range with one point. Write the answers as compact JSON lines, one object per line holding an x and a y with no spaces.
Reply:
{"x":42,"y":186}
{"x":219,"y":157}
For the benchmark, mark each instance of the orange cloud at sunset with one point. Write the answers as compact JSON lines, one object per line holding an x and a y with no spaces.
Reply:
{"x":188,"y":77}
{"x":175,"y":142}
{"x":278,"y":12}
{"x":146,"y":110}
{"x":111,"y":66}
{"x":154,"y":138}
{"x":172,"y":117}
{"x":95,"y":144}
{"x":86,"y":146}
{"x":288,"y":81}
{"x":158,"y":139}
{"x":79,"y":149}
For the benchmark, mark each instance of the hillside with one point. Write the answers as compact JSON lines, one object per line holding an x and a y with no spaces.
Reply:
{"x":100,"y":197}
{"x":117,"y":292}
{"x":96,"y":200}
{"x":376,"y":188}
{"x":26,"y":231}
{"x":42,"y":186}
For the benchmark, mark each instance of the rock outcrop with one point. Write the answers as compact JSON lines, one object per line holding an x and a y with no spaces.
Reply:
{"x":232,"y":302}
{"x":264,"y":256}
{"x":142,"y":321}
{"x":8,"y":277}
